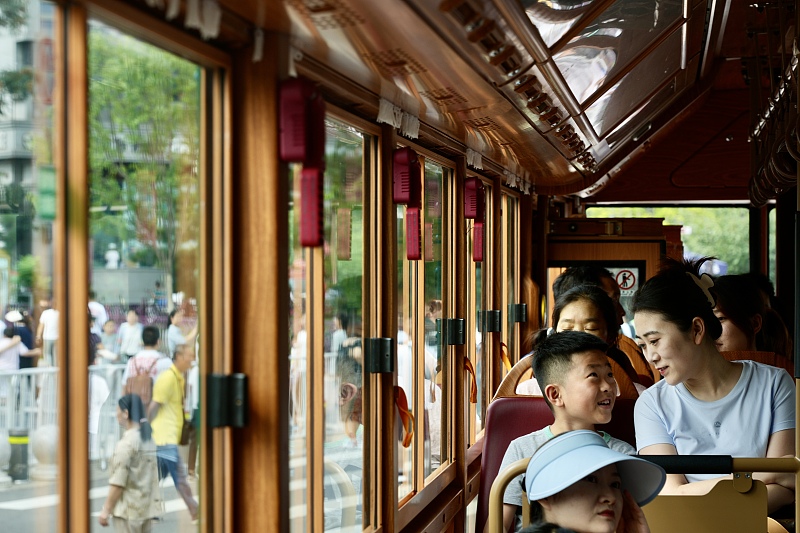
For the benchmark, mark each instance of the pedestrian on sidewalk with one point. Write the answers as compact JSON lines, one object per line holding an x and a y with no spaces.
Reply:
{"x":133,"y":499}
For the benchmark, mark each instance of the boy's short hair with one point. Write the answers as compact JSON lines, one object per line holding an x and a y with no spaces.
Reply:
{"x":150,"y":335}
{"x":553,"y":355}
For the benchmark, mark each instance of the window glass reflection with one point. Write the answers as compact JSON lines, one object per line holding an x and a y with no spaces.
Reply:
{"x":347,"y":153}
{"x":435,"y":422}
{"x":144,"y":153}
{"x":29,"y":433}
{"x":479,"y":351}
{"x":406,"y":362}
{"x":612,"y":41}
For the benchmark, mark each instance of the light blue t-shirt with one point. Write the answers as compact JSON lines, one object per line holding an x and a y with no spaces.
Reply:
{"x":740,"y":424}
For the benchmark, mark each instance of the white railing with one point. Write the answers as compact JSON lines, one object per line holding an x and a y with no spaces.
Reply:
{"x":29,"y":400}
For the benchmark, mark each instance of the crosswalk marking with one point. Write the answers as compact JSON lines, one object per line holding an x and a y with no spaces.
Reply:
{"x":170,"y":506}
{"x":39,"y":502}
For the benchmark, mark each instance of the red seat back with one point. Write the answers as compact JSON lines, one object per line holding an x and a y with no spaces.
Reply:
{"x":515,"y":416}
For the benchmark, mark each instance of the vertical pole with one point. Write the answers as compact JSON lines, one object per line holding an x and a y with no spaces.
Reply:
{"x":759,"y":240}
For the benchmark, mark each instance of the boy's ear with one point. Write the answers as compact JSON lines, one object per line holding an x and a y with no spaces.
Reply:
{"x":347,"y":392}
{"x":553,"y":394}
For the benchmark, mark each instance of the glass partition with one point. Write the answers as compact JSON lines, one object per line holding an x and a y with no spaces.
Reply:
{"x":29,"y":362}
{"x":511,"y":277}
{"x":144,"y":220}
{"x":612,"y":41}
{"x":479,"y":350}
{"x":435,"y":382}
{"x":344,"y":507}
{"x":407,"y":365}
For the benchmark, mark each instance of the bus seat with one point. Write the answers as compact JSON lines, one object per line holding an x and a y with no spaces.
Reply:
{"x":768,"y":358}
{"x":518,"y":373}
{"x":510,"y":417}
{"x":724,"y":508}
{"x":528,"y":413}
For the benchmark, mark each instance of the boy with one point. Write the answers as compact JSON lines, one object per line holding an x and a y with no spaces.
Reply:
{"x":579,"y":388}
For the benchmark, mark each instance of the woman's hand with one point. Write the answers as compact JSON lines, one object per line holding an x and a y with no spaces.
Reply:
{"x":633,"y":519}
{"x":102,"y":518}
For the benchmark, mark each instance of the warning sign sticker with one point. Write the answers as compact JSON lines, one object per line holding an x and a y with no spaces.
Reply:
{"x":626,"y":280}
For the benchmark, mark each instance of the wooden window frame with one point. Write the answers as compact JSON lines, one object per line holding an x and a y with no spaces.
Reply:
{"x":71,"y":237}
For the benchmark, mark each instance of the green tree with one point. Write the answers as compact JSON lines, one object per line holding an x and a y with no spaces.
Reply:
{"x":16,"y":84}
{"x":27,"y":271}
{"x":13,"y":14}
{"x":144,"y":131}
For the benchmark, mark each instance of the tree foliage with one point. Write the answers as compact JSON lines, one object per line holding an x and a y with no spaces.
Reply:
{"x":16,"y":84}
{"x":13,"y":14}
{"x":720,"y":232}
{"x":144,"y":132}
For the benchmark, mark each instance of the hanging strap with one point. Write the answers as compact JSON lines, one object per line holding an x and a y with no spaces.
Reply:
{"x":406,"y":417}
{"x":473,"y":389}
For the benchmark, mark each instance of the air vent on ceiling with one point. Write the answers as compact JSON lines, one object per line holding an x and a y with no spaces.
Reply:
{"x":482,"y":124}
{"x":396,"y":62}
{"x":328,"y":14}
{"x":443,"y":97}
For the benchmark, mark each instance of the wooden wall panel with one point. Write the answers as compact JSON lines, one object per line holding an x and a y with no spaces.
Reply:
{"x":260,"y":291}
{"x":608,"y":251}
{"x":71,"y":279}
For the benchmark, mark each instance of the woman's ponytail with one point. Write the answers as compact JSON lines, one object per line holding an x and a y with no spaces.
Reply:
{"x":136,"y":412}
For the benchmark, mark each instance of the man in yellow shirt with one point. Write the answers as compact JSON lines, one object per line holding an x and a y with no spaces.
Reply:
{"x":166,"y":413}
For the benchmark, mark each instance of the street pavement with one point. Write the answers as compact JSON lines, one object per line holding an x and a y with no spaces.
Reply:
{"x":31,"y":506}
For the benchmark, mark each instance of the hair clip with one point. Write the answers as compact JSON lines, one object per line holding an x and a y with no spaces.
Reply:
{"x":705,"y":282}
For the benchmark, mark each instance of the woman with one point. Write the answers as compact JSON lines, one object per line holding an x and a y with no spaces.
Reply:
{"x":706,"y":404}
{"x":175,"y":336}
{"x":588,"y":308}
{"x":576,"y":481}
{"x":129,"y":336}
{"x":133,"y":492}
{"x":747,"y":323}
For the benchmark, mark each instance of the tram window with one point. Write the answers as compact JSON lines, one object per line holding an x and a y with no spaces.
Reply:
{"x":721,"y":232}
{"x":479,"y":274}
{"x":436,"y":393}
{"x":406,"y":367}
{"x":28,"y":169}
{"x":144,"y":154}
{"x":339,"y":351}
{"x":421,"y":352}
{"x":510,"y":279}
